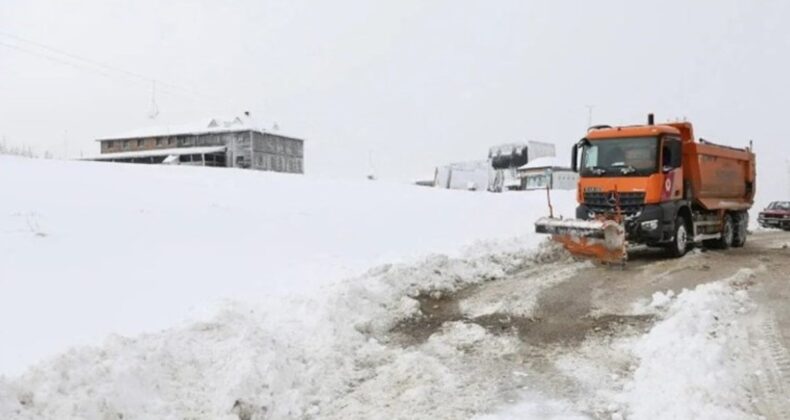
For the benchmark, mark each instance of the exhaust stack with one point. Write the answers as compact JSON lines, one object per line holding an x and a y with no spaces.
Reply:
{"x":650,"y":119}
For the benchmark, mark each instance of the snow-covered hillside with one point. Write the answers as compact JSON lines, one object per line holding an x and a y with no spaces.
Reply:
{"x":240,"y":295}
{"x":90,"y":249}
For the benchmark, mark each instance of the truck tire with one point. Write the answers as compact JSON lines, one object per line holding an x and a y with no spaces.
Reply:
{"x":680,"y":243}
{"x":741,"y":221}
{"x":725,"y":241}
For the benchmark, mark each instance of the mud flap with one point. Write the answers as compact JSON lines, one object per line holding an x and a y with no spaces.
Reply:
{"x":603,"y":240}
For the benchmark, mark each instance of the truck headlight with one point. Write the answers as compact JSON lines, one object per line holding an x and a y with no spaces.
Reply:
{"x":650,"y":225}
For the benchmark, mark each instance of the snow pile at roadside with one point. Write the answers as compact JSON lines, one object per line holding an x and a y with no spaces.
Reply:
{"x":88,"y":249}
{"x":696,"y":362}
{"x":314,"y":357}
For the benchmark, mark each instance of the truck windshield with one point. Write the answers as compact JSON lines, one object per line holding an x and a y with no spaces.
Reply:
{"x":629,"y":156}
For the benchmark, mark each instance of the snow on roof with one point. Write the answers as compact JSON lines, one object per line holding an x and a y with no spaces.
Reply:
{"x":469,"y":165}
{"x":545,"y":162}
{"x":158,"y":152}
{"x":213,"y":125}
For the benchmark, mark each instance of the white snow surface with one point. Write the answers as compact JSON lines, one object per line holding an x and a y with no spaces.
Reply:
{"x":698,"y":362}
{"x":231,"y":294}
{"x":313,"y":357}
{"x":90,"y":249}
{"x":546,"y":162}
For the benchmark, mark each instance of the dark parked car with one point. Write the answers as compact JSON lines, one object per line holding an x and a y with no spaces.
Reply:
{"x":776,"y":215}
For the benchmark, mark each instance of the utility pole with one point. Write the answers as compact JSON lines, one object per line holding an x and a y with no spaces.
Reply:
{"x":154,"y":107}
{"x":65,"y":144}
{"x":371,"y":172}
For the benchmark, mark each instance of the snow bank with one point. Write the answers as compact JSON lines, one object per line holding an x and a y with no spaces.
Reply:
{"x":88,"y":249}
{"x":317,"y":358}
{"x":697,"y":362}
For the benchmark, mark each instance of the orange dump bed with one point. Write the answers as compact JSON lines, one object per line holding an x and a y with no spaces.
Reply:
{"x":717,"y":177}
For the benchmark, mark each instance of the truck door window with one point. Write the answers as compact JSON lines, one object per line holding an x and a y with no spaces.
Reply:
{"x":670,"y":154}
{"x":591,"y":157}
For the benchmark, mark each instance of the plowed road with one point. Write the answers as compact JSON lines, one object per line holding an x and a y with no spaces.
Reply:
{"x":568,"y":317}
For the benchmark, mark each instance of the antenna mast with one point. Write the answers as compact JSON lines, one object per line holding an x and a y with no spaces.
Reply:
{"x":154,"y":108}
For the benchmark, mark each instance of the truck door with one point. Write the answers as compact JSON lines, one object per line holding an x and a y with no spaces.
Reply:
{"x":671,"y":167}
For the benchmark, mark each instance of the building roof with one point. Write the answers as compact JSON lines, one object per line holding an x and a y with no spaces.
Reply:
{"x":158,"y":152}
{"x":213,"y":125}
{"x":545,"y":163}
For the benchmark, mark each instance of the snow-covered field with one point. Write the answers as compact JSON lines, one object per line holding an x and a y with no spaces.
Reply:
{"x":225,"y":294}
{"x":88,"y":249}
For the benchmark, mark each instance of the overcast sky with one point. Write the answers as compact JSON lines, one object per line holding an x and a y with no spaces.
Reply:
{"x":417,"y":83}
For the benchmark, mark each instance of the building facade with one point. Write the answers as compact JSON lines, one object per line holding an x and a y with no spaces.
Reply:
{"x":547,"y":172}
{"x":235,"y":143}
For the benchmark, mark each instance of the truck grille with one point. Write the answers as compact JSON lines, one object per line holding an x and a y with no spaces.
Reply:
{"x":630,"y":202}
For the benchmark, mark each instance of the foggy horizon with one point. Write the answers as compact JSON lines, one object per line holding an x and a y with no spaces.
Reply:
{"x":414,"y":85}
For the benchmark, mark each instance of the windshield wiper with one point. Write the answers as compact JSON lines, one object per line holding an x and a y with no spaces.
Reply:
{"x":597,"y":170}
{"x":627,"y":169}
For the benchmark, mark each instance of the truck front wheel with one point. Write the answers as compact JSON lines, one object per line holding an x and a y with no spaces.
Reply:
{"x":680,"y":243}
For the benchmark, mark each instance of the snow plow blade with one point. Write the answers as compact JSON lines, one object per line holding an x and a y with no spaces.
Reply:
{"x":603,"y":240}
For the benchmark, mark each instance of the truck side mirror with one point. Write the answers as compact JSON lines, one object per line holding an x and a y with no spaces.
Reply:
{"x":574,"y":157}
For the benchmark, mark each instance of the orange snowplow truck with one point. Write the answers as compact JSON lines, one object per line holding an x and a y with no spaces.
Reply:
{"x":655,"y":185}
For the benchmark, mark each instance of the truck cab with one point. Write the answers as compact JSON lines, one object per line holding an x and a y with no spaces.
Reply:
{"x":636,"y":171}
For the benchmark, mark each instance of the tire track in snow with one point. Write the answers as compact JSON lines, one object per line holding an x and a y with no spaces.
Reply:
{"x":774,"y":382}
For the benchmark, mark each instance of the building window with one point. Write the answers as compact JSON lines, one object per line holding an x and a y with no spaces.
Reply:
{"x":158,"y":141}
{"x":108,"y":144}
{"x":140,"y":142}
{"x":126,"y":144}
{"x":537,"y":181}
{"x":171,"y":141}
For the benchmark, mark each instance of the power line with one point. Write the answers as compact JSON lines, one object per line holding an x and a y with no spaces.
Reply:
{"x":56,"y":55}
{"x":78,"y":66}
{"x":48,"y":57}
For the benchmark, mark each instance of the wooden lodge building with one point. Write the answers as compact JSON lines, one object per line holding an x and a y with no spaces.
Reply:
{"x":236,"y":143}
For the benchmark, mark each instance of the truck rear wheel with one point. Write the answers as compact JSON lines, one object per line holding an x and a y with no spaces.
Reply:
{"x":741,"y":226}
{"x":727,"y":234}
{"x":680,"y":242}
